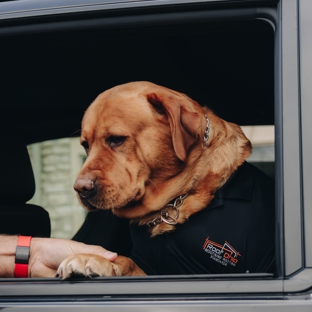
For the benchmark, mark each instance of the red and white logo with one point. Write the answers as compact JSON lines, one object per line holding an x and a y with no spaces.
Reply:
{"x":224,"y":254}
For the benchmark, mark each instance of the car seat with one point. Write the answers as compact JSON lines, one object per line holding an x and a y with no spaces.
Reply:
{"x":17,"y":186}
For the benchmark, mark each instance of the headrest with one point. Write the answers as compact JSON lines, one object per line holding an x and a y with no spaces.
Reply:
{"x":17,"y":183}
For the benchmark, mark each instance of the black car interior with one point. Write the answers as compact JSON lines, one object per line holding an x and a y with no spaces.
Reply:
{"x":17,"y":186}
{"x":49,"y":79}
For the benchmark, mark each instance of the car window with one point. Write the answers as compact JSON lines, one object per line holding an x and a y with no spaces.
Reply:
{"x":249,"y":61}
{"x":223,"y":59}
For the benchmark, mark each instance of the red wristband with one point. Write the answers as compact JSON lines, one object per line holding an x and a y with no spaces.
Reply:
{"x":22,"y":256}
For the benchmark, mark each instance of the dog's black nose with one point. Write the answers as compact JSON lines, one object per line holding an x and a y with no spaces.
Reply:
{"x":84,"y":187}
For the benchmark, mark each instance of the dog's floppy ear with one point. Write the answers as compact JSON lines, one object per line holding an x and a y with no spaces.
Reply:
{"x":184,"y":124}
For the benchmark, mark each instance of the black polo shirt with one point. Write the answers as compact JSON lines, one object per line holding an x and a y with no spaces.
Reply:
{"x":234,"y":234}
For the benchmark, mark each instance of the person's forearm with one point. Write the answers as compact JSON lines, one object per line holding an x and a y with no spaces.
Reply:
{"x":7,"y":255}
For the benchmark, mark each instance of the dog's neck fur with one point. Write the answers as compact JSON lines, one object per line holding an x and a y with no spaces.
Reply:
{"x":209,"y":169}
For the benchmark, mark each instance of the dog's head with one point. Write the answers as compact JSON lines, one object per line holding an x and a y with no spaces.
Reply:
{"x":137,"y":136}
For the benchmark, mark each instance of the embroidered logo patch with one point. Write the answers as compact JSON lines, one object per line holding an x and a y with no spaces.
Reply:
{"x":224,"y":254}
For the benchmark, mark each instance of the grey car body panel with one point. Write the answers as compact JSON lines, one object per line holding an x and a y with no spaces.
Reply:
{"x":235,"y":305}
{"x":40,"y":8}
{"x":144,"y":286}
{"x":292,"y":289}
{"x":289,"y":74}
{"x":305,"y":24}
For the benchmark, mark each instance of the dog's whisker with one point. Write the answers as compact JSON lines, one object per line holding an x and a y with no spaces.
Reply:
{"x":112,"y":203}
{"x":78,"y":131}
{"x":153,"y":184}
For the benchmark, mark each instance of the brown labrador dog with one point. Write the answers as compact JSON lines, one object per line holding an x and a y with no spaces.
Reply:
{"x":146,"y":146}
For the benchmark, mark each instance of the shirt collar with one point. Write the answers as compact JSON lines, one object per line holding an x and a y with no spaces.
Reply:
{"x":238,"y":186}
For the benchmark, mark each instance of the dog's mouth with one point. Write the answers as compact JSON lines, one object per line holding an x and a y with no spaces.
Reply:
{"x":89,"y":207}
{"x":88,"y":204}
{"x":129,"y":204}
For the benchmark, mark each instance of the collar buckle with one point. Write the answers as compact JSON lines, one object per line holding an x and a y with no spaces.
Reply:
{"x":169,"y":214}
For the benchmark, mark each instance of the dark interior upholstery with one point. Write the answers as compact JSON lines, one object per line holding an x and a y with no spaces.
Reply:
{"x":104,"y":229}
{"x":17,"y":186}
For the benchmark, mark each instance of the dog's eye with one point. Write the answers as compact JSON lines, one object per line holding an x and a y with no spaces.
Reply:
{"x":115,"y":141}
{"x":85,"y":145}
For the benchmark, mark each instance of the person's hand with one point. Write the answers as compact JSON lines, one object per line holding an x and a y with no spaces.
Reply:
{"x":46,"y":254}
